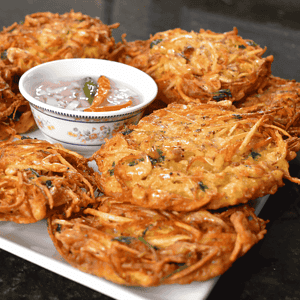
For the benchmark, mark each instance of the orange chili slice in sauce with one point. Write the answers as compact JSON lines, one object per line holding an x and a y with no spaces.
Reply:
{"x":101,"y":95}
{"x":111,"y":107}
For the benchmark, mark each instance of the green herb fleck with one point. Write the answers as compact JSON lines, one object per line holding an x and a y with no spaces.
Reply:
{"x":126,"y":130}
{"x":90,"y":89}
{"x":161,"y":156}
{"x":135,"y":162}
{"x":155,"y":42}
{"x":112,"y":170}
{"x":160,"y":159}
{"x":132,"y":163}
{"x":236,"y":116}
{"x":123,"y":239}
{"x":34,"y":172}
{"x":251,"y":43}
{"x":222,"y":94}
{"x":145,"y":231}
{"x":152,"y":160}
{"x":202,"y":186}
{"x":159,"y":151}
{"x":4,"y":55}
{"x":254,"y":154}
{"x":175,"y":271}
{"x":146,"y":243}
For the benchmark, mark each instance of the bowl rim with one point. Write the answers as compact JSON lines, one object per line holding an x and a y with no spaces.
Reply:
{"x":83,"y":114}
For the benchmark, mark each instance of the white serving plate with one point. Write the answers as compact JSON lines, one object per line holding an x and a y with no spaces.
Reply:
{"x":32,"y":242}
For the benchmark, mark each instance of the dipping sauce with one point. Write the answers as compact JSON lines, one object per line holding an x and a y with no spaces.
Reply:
{"x":68,"y":93}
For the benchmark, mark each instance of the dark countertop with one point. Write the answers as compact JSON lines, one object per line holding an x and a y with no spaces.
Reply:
{"x":271,"y":269}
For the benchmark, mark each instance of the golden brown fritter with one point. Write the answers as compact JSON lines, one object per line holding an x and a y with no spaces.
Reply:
{"x":185,"y":157}
{"x":134,"y":246}
{"x":15,"y":113}
{"x":46,"y":36}
{"x":278,"y":93}
{"x":37,"y":178}
{"x":200,"y":66}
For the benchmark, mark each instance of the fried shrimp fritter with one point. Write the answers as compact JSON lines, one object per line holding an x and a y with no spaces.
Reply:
{"x":185,"y":157}
{"x":134,"y":246}
{"x":278,"y":93}
{"x":37,"y":178}
{"x":15,"y":113}
{"x":46,"y":36}
{"x":200,"y":66}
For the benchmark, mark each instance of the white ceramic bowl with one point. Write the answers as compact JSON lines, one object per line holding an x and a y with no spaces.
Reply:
{"x":80,"y":131}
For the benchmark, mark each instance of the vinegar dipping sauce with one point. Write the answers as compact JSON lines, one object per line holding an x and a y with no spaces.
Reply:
{"x":68,"y":93}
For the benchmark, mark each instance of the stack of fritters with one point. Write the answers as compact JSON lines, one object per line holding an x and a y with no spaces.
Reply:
{"x":178,"y":187}
{"x":206,"y":66}
{"x":177,"y":191}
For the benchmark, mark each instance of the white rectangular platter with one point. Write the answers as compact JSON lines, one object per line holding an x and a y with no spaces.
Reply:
{"x":32,"y":242}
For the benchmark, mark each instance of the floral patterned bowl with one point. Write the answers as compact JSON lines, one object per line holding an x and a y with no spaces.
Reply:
{"x":81,"y":131}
